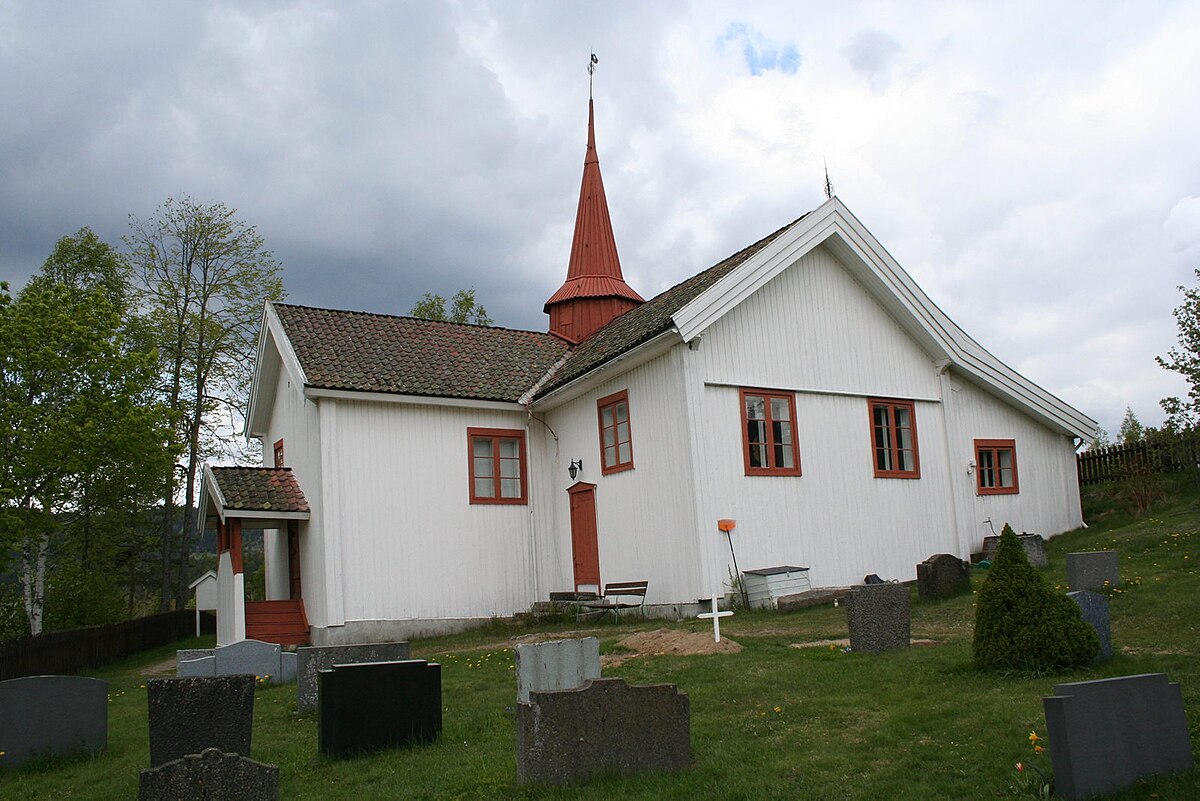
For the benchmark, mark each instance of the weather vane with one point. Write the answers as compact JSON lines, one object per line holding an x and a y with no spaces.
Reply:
{"x":828,"y":183}
{"x":591,"y":69}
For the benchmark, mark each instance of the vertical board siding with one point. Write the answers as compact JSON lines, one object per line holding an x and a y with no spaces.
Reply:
{"x":644,"y":516}
{"x":413,"y":546}
{"x":1048,"y":501}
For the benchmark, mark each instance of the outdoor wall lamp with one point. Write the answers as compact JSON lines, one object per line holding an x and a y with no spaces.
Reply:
{"x":970,"y":467}
{"x":576,"y":468}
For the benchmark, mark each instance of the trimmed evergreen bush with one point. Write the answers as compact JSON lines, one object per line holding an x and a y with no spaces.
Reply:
{"x":1022,"y":623}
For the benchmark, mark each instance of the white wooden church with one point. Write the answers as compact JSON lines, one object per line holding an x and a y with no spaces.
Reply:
{"x":425,"y":476}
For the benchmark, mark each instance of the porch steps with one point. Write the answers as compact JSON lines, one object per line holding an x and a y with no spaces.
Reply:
{"x":280,"y":622}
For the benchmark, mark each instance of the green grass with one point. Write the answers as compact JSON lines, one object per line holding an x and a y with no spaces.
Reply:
{"x":770,"y":722}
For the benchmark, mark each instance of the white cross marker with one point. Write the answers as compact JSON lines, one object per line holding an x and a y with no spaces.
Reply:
{"x":716,"y":618}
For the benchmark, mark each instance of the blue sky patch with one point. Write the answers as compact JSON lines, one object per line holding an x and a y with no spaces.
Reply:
{"x":761,"y":53}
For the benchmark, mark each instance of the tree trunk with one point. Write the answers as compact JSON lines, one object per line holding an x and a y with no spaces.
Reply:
{"x":33,"y":580}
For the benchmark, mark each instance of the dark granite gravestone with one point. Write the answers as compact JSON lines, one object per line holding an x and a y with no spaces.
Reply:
{"x":313,"y":659}
{"x":1093,"y":608}
{"x":51,"y":715}
{"x":189,"y":715}
{"x":942,"y":576}
{"x":879,"y":618}
{"x":1107,"y":734}
{"x":374,"y":705}
{"x":1093,"y":570}
{"x":210,"y":776}
{"x":604,"y":727}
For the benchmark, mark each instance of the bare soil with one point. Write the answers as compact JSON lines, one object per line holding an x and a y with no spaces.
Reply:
{"x":673,"y":642}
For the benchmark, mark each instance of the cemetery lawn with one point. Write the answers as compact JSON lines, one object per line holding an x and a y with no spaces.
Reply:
{"x":773,"y":721}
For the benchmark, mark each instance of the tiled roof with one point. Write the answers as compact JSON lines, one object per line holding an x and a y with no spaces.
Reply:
{"x":404,"y":355}
{"x":260,"y":489}
{"x":648,"y":320}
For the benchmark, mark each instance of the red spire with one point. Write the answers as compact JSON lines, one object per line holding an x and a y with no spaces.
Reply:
{"x":595,"y":291}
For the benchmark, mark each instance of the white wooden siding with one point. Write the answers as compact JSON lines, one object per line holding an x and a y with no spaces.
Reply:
{"x":645,"y":517}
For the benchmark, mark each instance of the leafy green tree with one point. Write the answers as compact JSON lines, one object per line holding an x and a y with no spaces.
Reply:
{"x":1022,"y":623}
{"x":83,"y":444}
{"x":203,"y":276}
{"x":1185,"y":359}
{"x":1131,"y":428}
{"x":463,"y":308}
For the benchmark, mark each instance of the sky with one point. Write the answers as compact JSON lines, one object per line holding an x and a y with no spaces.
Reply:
{"x":1034,"y":166}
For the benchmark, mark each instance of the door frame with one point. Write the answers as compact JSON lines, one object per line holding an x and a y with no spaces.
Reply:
{"x":579,"y":529}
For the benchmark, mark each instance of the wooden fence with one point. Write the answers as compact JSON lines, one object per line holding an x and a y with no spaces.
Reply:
{"x":1167,"y":455}
{"x":70,"y":651}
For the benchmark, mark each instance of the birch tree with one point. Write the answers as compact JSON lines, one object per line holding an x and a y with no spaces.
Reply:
{"x":202,"y":276}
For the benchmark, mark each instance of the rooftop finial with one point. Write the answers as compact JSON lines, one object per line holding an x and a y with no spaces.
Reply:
{"x":591,"y":69}
{"x":828,"y":183}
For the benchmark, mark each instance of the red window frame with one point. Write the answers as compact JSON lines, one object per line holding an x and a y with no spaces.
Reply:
{"x":279,"y":453}
{"x":891,"y":451}
{"x":990,"y":471}
{"x":771,"y":441}
{"x":612,"y":402}
{"x":495,"y":436}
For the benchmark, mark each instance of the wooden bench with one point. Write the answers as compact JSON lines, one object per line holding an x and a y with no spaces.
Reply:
{"x":615,"y":595}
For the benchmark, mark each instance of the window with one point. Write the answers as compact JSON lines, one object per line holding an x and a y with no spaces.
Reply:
{"x":497,"y":465}
{"x":894,"y":438}
{"x":996,"y":467}
{"x":769,"y":445}
{"x":616,"y":445}
{"x":279,"y":453}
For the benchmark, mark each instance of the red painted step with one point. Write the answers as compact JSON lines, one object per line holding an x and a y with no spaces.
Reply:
{"x":280,"y":622}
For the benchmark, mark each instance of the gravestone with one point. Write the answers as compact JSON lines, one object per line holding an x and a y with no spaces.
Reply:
{"x":1093,"y":570}
{"x":200,"y":666}
{"x":188,"y":654}
{"x":310,"y":660}
{"x":556,"y":665}
{"x":1093,"y":608}
{"x":1107,"y":734}
{"x":1034,"y":546}
{"x":942,"y":576}
{"x":210,"y":776}
{"x":879,"y":618}
{"x":375,"y":705}
{"x":604,"y":727}
{"x":51,"y":715}
{"x":262,"y":659}
{"x":188,"y":715}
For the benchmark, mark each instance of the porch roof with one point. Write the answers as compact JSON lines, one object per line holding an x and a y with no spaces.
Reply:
{"x":259,"y":493}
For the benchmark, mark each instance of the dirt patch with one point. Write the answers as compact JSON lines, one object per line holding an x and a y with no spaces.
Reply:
{"x":159,"y":670}
{"x":672,"y":642}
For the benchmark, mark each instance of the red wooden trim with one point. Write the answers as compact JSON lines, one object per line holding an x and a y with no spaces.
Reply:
{"x":279,"y":453}
{"x":496,"y":434}
{"x":222,"y":538}
{"x":611,"y":401}
{"x":767,"y":395}
{"x":995,"y":446}
{"x":892,"y":404}
{"x":235,"y":544}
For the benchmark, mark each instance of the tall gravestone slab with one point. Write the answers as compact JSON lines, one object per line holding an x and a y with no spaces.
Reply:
{"x":210,"y":776}
{"x":1107,"y":734}
{"x":879,"y":617}
{"x":942,"y":576}
{"x":188,"y":715}
{"x":604,"y":727}
{"x":311,"y":660}
{"x":556,"y":665}
{"x":249,"y":656}
{"x":1093,"y":608}
{"x":51,"y":715}
{"x":1093,"y":570}
{"x":375,"y":705}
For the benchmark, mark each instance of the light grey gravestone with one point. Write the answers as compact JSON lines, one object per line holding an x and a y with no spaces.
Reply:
{"x":311,"y":660}
{"x":249,"y":656}
{"x":879,"y":618}
{"x":1107,"y":734}
{"x":210,"y":776}
{"x":556,"y":665}
{"x":1093,"y":608}
{"x":187,"y":655}
{"x":51,"y":715}
{"x":1093,"y":570}
{"x":188,"y":715}
{"x":942,"y":576}
{"x":201,"y":666}
{"x":1034,"y":546}
{"x":604,"y":727}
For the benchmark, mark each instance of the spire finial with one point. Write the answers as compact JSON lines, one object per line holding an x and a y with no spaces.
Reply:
{"x":828,"y":183}
{"x":592,"y":62}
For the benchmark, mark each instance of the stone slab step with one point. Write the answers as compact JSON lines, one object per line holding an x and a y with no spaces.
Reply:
{"x":810,"y":598}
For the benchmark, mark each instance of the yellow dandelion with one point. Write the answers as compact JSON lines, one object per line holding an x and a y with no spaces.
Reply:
{"x":778,"y":709}
{"x":1033,"y":737}
{"x":1038,"y":749}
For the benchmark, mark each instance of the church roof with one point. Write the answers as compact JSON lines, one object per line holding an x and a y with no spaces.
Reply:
{"x":259,"y":489}
{"x":594,"y":270}
{"x":648,"y":320}
{"x":365,"y":352}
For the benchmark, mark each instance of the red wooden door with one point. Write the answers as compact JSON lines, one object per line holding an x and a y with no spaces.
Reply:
{"x":584,"y":547}
{"x":293,"y":543}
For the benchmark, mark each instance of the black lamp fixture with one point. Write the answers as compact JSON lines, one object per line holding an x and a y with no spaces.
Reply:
{"x":576,"y":468}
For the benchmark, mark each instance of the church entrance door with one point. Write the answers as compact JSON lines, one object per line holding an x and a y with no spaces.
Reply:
{"x":584,"y":546}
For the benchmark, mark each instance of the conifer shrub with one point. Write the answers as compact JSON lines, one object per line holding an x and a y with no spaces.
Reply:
{"x":1024,"y":624}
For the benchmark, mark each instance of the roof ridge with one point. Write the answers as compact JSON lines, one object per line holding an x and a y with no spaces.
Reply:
{"x":361,"y":313}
